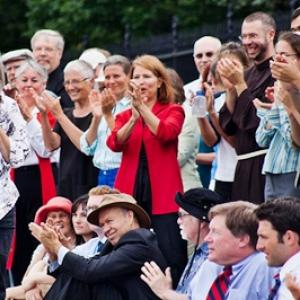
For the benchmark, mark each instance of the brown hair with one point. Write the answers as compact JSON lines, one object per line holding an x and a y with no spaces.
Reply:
{"x":177,"y":84}
{"x":240,"y":218}
{"x":102,"y":190}
{"x":165,"y":94}
{"x":292,"y":39}
{"x":265,"y":18}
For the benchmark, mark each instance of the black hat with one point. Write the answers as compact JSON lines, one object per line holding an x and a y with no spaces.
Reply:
{"x":198,"y":202}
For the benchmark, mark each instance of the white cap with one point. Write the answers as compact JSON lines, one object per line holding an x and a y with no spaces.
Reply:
{"x":93,"y":57}
{"x":20,"y":54}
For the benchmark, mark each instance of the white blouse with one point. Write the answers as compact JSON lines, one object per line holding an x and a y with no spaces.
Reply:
{"x":13,"y":124}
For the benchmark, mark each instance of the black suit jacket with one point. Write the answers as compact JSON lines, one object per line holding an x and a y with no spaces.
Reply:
{"x":117,"y":267}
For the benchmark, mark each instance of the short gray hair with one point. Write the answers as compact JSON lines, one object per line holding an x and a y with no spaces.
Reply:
{"x":118,"y":60}
{"x":60,"y":43}
{"x":32,"y":64}
{"x":80,"y":66}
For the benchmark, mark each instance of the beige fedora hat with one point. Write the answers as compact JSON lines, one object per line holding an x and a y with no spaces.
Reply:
{"x":123,"y":201}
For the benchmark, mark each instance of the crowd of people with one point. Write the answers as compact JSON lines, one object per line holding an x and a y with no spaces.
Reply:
{"x":112,"y":171}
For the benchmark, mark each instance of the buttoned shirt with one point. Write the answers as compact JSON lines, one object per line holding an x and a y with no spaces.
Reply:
{"x":196,"y":260}
{"x":292,"y":266}
{"x":251,"y":279}
{"x":274,"y":131}
{"x":13,"y":125}
{"x":104,"y":158}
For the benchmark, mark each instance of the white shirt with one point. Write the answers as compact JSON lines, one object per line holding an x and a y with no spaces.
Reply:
{"x":292,"y":266}
{"x":13,"y":124}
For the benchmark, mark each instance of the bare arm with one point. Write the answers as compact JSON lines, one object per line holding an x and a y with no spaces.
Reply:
{"x":205,"y":158}
{"x":207,"y":132}
{"x":4,"y":145}
{"x":124,"y":133}
{"x":51,"y":139}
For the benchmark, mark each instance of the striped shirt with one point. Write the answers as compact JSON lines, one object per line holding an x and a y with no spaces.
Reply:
{"x":274,"y":131}
{"x":104,"y":158}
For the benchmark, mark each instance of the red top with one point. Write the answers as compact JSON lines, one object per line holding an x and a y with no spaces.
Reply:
{"x":161,"y":151}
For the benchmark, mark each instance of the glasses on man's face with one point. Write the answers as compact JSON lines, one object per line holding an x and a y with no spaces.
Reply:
{"x":182,"y":214}
{"x":208,"y":54}
{"x":249,"y":36}
{"x":74,"y":82}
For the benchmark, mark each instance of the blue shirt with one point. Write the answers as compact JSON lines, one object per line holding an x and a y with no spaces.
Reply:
{"x":251,"y":279}
{"x":190,"y":271}
{"x":104,"y":158}
{"x":274,"y":131}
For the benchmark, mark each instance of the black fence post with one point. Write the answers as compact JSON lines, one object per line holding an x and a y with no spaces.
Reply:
{"x":175,"y":40}
{"x":127,"y":41}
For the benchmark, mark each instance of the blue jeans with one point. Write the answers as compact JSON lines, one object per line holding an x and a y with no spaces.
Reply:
{"x":107,"y":177}
{"x":7,"y":225}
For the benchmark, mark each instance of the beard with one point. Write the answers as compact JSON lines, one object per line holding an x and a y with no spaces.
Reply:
{"x":260,"y":53}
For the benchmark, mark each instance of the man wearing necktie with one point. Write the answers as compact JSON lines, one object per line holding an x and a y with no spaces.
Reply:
{"x":234,"y":269}
{"x":279,"y":239}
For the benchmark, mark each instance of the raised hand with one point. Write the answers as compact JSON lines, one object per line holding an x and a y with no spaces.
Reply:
{"x":25,"y":110}
{"x":154,"y":277}
{"x":261,"y":105}
{"x":95,"y":99}
{"x":210,"y":99}
{"x":108,"y":101}
{"x":232,"y":70}
{"x":52,"y":104}
{"x":135,"y":94}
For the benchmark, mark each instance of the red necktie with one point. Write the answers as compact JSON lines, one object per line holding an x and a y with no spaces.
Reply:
{"x":220,"y":286}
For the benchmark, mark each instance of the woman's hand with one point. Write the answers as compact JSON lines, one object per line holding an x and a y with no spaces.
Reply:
{"x":95,"y":99}
{"x":50,"y":103}
{"x":210,"y":99}
{"x":135,"y":94}
{"x":108,"y":101}
{"x":24,"y":107}
{"x":34,"y":294}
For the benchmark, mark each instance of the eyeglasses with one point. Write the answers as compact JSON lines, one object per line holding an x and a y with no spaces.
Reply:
{"x":182,"y":214}
{"x":250,"y":36}
{"x":286,"y":54}
{"x":208,"y":54}
{"x":75,"y":82}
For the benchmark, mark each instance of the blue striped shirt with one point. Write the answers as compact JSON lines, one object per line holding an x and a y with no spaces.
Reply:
{"x":274,"y":131}
{"x":104,"y":158}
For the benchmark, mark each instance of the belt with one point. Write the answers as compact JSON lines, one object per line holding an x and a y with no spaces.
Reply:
{"x":252,"y":154}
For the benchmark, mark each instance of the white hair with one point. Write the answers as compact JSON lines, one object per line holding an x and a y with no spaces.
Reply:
{"x":31,"y":64}
{"x":81,"y":67}
{"x":48,"y":33}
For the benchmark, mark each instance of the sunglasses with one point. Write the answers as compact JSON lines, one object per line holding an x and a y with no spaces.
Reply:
{"x":207,"y":54}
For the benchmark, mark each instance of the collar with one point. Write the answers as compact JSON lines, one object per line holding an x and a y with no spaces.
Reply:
{"x":203,"y":248}
{"x":238,"y":266}
{"x":263,"y":65}
{"x":124,"y":101}
{"x":291,"y":264}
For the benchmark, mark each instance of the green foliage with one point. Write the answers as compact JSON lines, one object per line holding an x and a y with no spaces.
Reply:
{"x":102,"y":22}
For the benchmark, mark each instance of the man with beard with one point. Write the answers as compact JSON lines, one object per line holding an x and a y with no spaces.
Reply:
{"x":238,"y":115}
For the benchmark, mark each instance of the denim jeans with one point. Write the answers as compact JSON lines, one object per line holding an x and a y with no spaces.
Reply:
{"x":107,"y":177}
{"x":7,"y":225}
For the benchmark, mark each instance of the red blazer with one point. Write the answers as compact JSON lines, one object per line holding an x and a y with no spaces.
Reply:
{"x":161,"y":151}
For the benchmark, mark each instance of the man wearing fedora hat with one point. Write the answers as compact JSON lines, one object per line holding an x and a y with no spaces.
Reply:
{"x":116,"y":270}
{"x":194,"y":226}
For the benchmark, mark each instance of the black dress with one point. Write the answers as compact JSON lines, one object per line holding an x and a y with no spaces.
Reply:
{"x":76,"y":174}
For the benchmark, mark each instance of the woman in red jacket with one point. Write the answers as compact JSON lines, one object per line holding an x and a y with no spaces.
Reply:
{"x":147,"y":134}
